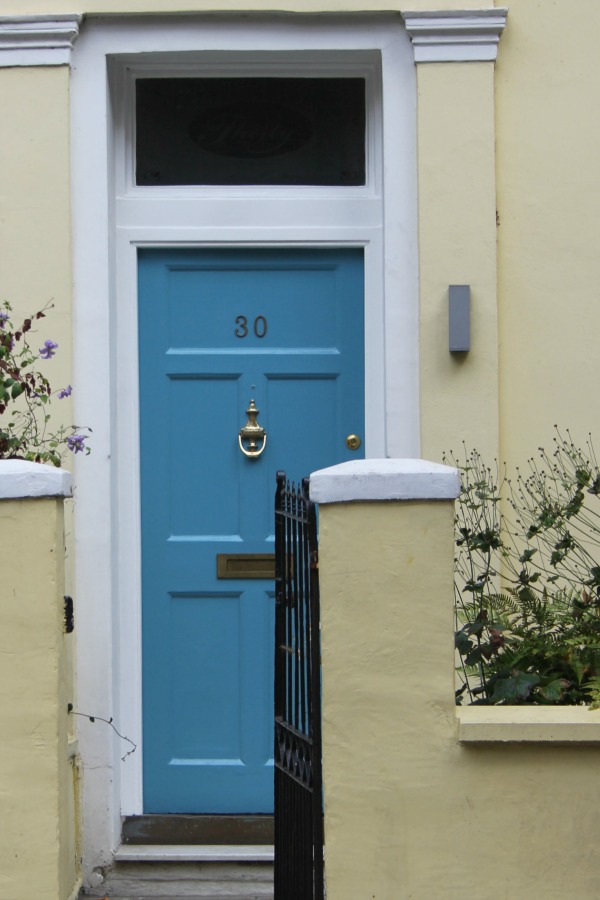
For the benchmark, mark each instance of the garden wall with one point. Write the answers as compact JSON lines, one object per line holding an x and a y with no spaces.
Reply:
{"x":38,"y":774}
{"x":422,"y":802}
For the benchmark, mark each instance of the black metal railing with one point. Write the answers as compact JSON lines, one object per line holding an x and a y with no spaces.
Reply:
{"x":298,"y":774}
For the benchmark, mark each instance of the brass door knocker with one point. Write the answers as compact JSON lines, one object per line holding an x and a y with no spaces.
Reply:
{"x":252,"y":432}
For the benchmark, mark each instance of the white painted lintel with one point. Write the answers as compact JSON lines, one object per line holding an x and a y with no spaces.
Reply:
{"x":384,"y":479}
{"x":462,"y":35}
{"x":38,"y":40}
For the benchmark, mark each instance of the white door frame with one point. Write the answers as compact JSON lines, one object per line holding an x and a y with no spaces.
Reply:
{"x":111,"y":218}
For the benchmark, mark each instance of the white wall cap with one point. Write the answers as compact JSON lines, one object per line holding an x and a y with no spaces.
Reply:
{"x":384,"y":479}
{"x":38,"y":40}
{"x":460,"y":35}
{"x":19,"y":479}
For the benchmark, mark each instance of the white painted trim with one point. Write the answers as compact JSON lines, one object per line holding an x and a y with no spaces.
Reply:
{"x":455,"y":35}
{"x":316,"y":64}
{"x":384,"y":479}
{"x":37,"y":40}
{"x":22,"y":479}
{"x":107,"y":539}
{"x":193,"y":853}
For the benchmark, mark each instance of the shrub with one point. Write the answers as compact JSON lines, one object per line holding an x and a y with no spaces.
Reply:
{"x":527,"y":579}
{"x":25,"y":398}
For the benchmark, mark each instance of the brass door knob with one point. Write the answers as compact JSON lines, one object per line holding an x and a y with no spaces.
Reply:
{"x":353,"y":442}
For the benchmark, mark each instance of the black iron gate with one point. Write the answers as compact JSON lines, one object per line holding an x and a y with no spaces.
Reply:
{"x":298,"y":777}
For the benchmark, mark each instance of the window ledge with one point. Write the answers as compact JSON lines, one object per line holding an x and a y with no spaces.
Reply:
{"x":528,"y":724}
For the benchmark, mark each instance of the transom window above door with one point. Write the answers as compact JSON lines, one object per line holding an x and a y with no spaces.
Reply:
{"x":250,"y":131}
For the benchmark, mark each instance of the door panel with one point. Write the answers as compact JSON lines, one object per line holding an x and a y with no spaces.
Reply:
{"x":217,"y":328}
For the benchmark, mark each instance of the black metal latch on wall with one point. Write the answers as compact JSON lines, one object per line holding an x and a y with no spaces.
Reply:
{"x":69,"y":615}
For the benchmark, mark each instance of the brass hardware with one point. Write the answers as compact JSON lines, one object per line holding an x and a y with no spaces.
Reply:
{"x":246,"y":565}
{"x":252,"y":432}
{"x":353,"y":442}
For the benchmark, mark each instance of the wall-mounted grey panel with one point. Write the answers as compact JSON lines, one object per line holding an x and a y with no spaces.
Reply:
{"x":459,"y":318}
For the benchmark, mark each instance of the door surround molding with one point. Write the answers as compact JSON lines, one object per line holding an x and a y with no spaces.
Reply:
{"x":106,"y":233}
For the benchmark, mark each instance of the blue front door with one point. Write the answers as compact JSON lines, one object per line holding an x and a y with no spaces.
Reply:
{"x":218,"y":328}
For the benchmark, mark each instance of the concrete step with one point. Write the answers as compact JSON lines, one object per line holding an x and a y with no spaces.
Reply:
{"x":144,"y":879}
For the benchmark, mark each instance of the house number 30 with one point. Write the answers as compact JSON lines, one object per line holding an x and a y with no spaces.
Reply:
{"x":259,"y":327}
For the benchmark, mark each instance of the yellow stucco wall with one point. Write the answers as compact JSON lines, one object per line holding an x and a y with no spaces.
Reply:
{"x":26,"y":7}
{"x":548,"y":141}
{"x":457,"y":245}
{"x":534,"y":353}
{"x":35,"y":223}
{"x":539,"y":140}
{"x":410,"y":814}
{"x":522,"y":138}
{"x":535,"y":147}
{"x":37,"y":840}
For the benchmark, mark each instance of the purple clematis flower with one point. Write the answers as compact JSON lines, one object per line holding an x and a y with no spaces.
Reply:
{"x":76,"y":443}
{"x":47,"y":351}
{"x":66,"y":392}
{"x":3,"y":319}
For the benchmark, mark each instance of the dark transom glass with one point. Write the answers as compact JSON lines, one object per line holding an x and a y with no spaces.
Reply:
{"x":252,"y":131}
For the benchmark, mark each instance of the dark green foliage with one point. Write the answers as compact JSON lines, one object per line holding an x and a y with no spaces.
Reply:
{"x":527,"y":584}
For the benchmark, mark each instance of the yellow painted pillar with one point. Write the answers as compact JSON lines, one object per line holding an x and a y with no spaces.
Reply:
{"x":456,"y":159}
{"x":35,"y":224}
{"x":37,"y":820}
{"x":416,"y":788}
{"x":386,"y":576}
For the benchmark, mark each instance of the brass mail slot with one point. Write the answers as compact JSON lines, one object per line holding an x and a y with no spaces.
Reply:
{"x":246,"y":565}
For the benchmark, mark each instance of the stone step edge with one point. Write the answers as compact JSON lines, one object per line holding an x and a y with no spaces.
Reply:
{"x":190,"y":853}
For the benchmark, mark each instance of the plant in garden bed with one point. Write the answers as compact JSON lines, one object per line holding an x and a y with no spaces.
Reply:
{"x":25,"y":398}
{"x":527,"y":579}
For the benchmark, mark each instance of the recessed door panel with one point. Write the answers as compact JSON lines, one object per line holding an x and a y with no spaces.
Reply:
{"x":193,"y":403}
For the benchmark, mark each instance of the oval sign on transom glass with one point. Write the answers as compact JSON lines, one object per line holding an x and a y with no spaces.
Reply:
{"x":251,"y":131}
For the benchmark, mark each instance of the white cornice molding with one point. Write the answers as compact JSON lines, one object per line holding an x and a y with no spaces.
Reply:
{"x":37,"y":40}
{"x":461,"y":35}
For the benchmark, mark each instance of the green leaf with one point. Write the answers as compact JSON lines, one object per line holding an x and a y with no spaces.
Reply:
{"x":473,"y":587}
{"x":462,"y":643}
{"x":595,"y":488}
{"x":595,"y":576}
{"x":526,"y":596}
{"x":516,"y":688}
{"x":476,"y":627}
{"x":527,"y":555}
{"x":554,"y":690}
{"x":474,"y":656}
{"x":16,"y":390}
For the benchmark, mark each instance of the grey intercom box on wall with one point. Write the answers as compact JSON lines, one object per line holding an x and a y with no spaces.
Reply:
{"x":459,"y":318}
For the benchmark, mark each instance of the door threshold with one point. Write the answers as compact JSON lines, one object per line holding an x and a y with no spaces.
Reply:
{"x":197,"y":830}
{"x":189,"y":853}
